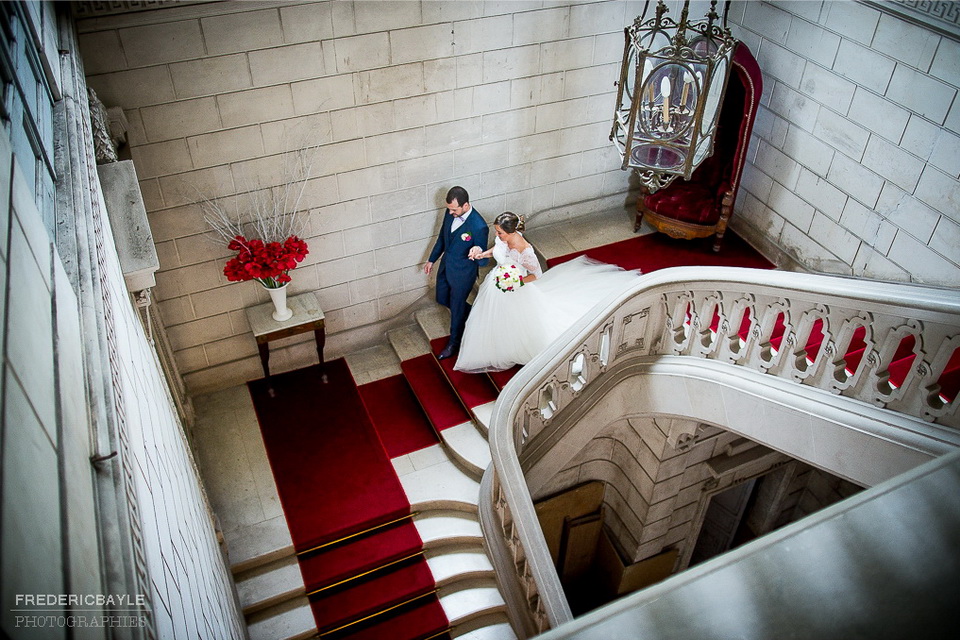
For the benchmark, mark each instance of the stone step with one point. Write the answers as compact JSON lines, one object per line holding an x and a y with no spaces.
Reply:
{"x":490,"y":627}
{"x":258,"y":544}
{"x":374,"y":363}
{"x":443,"y":527}
{"x":458,"y":563}
{"x":469,"y":447}
{"x":462,"y":604}
{"x":269,"y":584}
{"x":434,"y":321}
{"x":291,"y":620}
{"x":482,"y":414}
{"x":408,"y":341}
{"x":442,"y":485}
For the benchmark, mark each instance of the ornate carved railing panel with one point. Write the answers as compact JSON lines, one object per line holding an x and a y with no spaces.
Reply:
{"x":877,"y":343}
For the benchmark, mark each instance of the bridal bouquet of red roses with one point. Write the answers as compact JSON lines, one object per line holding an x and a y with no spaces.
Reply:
{"x":269,"y":263}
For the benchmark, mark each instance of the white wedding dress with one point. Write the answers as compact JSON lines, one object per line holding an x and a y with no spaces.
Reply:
{"x":506,"y":328}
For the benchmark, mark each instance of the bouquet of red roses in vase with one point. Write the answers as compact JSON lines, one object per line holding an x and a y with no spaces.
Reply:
{"x":269,"y":263}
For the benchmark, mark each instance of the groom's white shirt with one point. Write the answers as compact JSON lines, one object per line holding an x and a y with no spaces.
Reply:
{"x":458,"y":222}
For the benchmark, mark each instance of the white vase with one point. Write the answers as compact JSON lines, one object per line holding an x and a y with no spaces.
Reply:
{"x":279,"y":297}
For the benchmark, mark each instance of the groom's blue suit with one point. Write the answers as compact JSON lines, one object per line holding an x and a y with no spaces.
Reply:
{"x":457,"y":272}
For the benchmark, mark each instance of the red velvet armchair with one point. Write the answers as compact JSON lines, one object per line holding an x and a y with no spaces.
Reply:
{"x":702,"y":206}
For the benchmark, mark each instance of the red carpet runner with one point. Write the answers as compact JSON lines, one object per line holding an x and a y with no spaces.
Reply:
{"x":360,"y":554}
{"x":333,"y":477}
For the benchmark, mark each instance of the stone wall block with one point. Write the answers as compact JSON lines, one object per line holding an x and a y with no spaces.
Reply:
{"x":482,"y":158}
{"x":864,"y":66}
{"x":946,"y":64}
{"x":770,"y":22}
{"x":421,"y":43}
{"x":421,"y":170}
{"x":907,"y":212}
{"x":507,"y":64}
{"x":808,"y":150}
{"x":102,"y":52}
{"x":780,"y":63}
{"x":591,"y":81}
{"x":362,"y":52}
{"x":390,"y":83}
{"x":199,"y":332}
{"x":483,"y":34}
{"x":841,"y":133}
{"x":550,"y":170}
{"x":191,"y":186}
{"x":827,"y":88}
{"x":162,"y":158}
{"x":812,"y":42}
{"x":160,"y":43}
{"x":821,"y":194}
{"x":787,"y":204}
{"x":133,"y":89}
{"x":922,"y":264}
{"x":221,"y":147}
{"x":600,"y":18}
{"x":911,"y":44}
{"x":940,"y":191}
{"x":854,"y":179}
{"x":878,"y":114}
{"x":323,"y":94}
{"x":180,"y":119}
{"x":852,"y":20}
{"x":208,"y":76}
{"x":307,"y":23}
{"x":367,"y":181}
{"x":562,"y":55}
{"x":793,"y":106}
{"x":897,"y":166}
{"x":921,"y":94}
{"x":835,"y":238}
{"x":537,"y":26}
{"x":286,"y":64}
{"x":244,"y":31}
{"x":372,"y":15}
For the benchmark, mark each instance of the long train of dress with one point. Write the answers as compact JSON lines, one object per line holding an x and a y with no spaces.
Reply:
{"x":509,"y":328}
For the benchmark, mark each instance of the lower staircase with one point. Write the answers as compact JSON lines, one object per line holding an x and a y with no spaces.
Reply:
{"x":419,"y":577}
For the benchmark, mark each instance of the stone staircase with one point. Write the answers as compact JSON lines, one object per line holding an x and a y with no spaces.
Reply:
{"x":442,"y":485}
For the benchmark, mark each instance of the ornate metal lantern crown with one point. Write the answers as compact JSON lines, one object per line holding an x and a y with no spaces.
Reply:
{"x":671,"y":87}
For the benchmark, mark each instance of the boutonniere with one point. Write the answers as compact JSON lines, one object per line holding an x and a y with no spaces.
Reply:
{"x":466,"y":237}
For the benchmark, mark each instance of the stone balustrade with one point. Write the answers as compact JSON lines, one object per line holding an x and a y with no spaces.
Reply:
{"x":875,"y":351}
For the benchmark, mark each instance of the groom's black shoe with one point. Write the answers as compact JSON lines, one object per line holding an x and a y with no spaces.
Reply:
{"x":448,"y":351}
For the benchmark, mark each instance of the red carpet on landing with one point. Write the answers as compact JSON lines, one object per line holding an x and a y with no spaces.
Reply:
{"x":399,"y":420}
{"x":655,"y":251}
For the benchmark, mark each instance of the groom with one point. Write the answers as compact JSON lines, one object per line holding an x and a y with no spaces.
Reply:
{"x":460,"y":231}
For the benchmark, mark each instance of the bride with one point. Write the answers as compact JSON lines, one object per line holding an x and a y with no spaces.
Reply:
{"x":519,"y":309}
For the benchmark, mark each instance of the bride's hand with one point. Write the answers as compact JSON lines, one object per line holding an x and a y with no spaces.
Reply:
{"x":474,"y":253}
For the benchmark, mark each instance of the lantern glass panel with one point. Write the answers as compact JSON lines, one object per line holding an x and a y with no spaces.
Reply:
{"x":711,"y":110}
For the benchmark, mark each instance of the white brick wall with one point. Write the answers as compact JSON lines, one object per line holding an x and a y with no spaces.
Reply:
{"x":513,"y":100}
{"x":871,"y":146}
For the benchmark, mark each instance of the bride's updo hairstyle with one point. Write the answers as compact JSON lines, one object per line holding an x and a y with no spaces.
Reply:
{"x":509,"y":222}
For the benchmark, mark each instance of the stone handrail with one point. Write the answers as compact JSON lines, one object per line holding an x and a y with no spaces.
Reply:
{"x":801,"y":328}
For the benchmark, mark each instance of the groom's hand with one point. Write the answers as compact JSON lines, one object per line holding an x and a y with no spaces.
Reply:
{"x":427,"y":268}
{"x":474,"y":253}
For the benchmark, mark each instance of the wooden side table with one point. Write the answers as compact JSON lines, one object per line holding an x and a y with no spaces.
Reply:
{"x":307,"y":316}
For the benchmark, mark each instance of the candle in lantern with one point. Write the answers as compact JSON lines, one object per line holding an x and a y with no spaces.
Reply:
{"x":665,"y":91}
{"x":687,"y":79}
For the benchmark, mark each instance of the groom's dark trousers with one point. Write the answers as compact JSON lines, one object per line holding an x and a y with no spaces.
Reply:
{"x":457,"y":273}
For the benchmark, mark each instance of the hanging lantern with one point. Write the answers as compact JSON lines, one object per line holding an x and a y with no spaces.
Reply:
{"x":671,"y":86}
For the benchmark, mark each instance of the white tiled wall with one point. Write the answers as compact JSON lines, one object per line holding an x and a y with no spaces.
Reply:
{"x":857,"y":143}
{"x":512,"y":100}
